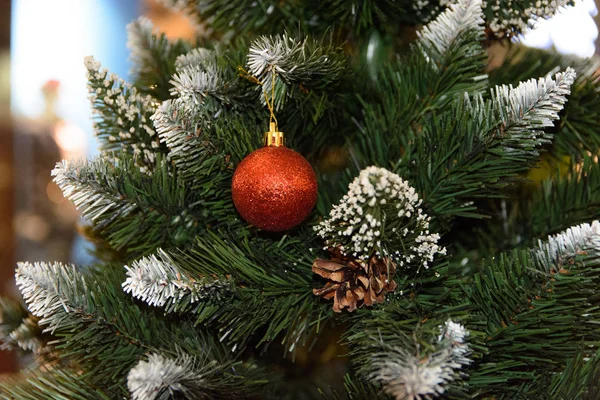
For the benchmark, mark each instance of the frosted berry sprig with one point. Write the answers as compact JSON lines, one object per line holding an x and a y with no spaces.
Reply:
{"x":381,"y":215}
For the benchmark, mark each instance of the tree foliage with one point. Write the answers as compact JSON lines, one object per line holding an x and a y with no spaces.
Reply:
{"x":422,"y":156}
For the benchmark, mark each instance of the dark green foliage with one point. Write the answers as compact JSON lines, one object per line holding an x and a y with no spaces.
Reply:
{"x":527,"y":328}
{"x":563,"y":200}
{"x":355,"y":17}
{"x":568,"y":196}
{"x":153,"y":56}
{"x":143,"y":212}
{"x":274,"y":287}
{"x":122,"y":116}
{"x":355,"y":389}
{"x":579,"y":379}
{"x":226,"y":301}
{"x":576,"y":132}
{"x":100,"y":329}
{"x":57,"y":384}
{"x":409,"y":90}
{"x":515,"y":312}
{"x":268,"y":16}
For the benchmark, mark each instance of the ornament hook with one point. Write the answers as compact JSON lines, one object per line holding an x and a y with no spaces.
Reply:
{"x":274,"y":137}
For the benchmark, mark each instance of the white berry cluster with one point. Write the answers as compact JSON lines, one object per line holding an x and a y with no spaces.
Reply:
{"x":118,"y":105}
{"x":510,"y":17}
{"x":381,"y":216}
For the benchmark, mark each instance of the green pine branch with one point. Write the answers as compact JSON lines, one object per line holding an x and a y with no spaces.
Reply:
{"x":479,"y":147}
{"x":122,"y":117}
{"x":19,"y":329}
{"x":241,"y":17}
{"x":190,"y":377}
{"x":153,"y":56}
{"x":561,"y":201}
{"x":101,"y":331}
{"x":579,"y":379}
{"x":536,"y":316}
{"x":160,"y":282}
{"x":575,"y":134}
{"x":54,"y":384}
{"x":137,"y":212}
{"x":273,"y":287}
{"x":355,"y":389}
{"x":447,"y":61}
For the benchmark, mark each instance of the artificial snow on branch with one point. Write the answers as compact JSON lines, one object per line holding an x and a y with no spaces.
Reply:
{"x":195,"y":57}
{"x":184,"y":129}
{"x":153,"y":57}
{"x":157,"y":281}
{"x":525,"y":111}
{"x":184,"y":376}
{"x":17,"y":328}
{"x":553,"y":252}
{"x":439,"y":35}
{"x":192,"y":84}
{"x":158,"y":375}
{"x":381,"y":215}
{"x":41,"y":285}
{"x":406,"y":375}
{"x":127,"y":207}
{"x":26,"y":336}
{"x":122,"y":116}
{"x":81,"y":182}
{"x":306,"y":62}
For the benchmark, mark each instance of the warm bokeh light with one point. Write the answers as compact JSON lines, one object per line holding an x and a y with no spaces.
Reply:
{"x":50,"y":38}
{"x":71,"y":140}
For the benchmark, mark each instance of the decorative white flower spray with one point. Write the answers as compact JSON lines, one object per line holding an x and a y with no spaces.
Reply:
{"x":381,"y":215}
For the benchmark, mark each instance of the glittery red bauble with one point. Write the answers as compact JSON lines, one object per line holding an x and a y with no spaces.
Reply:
{"x":274,"y":188}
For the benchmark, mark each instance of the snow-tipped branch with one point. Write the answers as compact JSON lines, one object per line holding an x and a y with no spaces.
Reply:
{"x":198,"y":56}
{"x":18,"y":328}
{"x":126,"y":206}
{"x":122,"y":116}
{"x":511,"y":18}
{"x":158,"y":375}
{"x":306,"y":63}
{"x":407,"y":375}
{"x":554,"y":252}
{"x":440,"y":36}
{"x":153,"y":56}
{"x":46,"y":288}
{"x":525,"y":111}
{"x":193,"y":377}
{"x":193,"y":83}
{"x":158,"y":281}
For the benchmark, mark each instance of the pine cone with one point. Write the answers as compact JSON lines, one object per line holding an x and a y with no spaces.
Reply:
{"x":354,"y":282}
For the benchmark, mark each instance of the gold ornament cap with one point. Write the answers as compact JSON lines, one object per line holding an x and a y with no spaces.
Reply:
{"x":274,"y":138}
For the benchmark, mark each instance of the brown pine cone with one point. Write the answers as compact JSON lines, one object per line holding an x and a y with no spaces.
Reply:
{"x":354,"y":282}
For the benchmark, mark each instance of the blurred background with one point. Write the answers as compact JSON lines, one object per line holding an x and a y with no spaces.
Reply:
{"x":45,"y":115}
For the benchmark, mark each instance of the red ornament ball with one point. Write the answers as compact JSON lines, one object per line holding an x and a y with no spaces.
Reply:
{"x":274,"y":188}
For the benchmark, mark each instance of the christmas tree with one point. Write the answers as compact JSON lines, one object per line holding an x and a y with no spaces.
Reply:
{"x":450,"y":250}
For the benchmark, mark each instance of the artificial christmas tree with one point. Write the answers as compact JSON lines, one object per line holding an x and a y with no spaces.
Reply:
{"x":430,"y":266}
